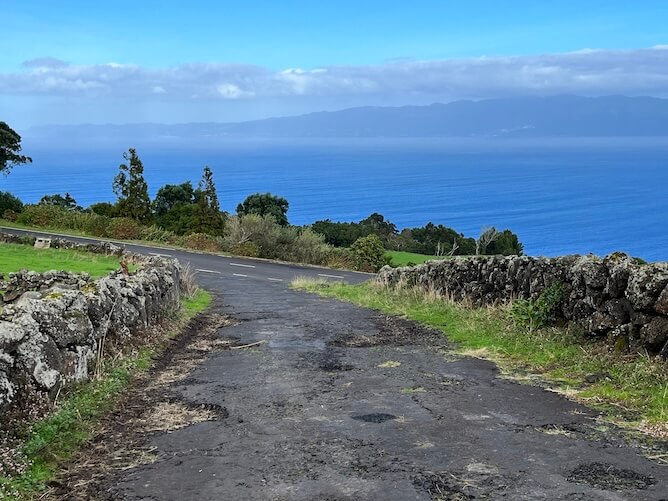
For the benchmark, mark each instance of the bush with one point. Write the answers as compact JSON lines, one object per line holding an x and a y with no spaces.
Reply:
{"x":48,"y":216}
{"x":248,"y":249}
{"x":368,"y":254}
{"x":124,"y":228}
{"x":9,"y":202}
{"x":536,"y":313}
{"x":202,"y":241}
{"x":154,"y":233}
{"x":97,"y":225}
{"x":310,"y":247}
{"x":103,"y":209}
{"x":339,"y":258}
{"x":10,"y":215}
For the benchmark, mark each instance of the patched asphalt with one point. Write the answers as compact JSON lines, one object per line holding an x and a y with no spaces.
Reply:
{"x":316,"y":413}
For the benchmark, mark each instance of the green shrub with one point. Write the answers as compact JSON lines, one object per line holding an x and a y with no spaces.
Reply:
{"x":368,"y":254}
{"x":124,"y":228}
{"x":49,"y":216}
{"x":97,"y":225}
{"x":310,"y":247}
{"x":536,"y":313}
{"x":245,"y":249}
{"x":339,"y":258}
{"x":154,"y":233}
{"x":10,"y":215}
{"x":201,"y":241}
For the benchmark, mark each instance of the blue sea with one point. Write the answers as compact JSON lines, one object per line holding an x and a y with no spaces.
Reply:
{"x":561,"y":196}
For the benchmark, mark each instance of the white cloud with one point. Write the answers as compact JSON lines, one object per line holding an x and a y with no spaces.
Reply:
{"x":586,"y":72}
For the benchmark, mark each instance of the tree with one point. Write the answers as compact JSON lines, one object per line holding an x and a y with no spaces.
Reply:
{"x":207,"y":217}
{"x":102,"y":209}
{"x":9,"y":202}
{"x":65,"y":202}
{"x":172,"y":195}
{"x":368,"y":253}
{"x":264,"y":204}
{"x":10,"y":149}
{"x":506,"y":244}
{"x":131,"y":189}
{"x":487,"y":236}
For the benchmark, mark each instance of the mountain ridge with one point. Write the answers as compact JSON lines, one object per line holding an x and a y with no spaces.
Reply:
{"x":552,"y":116}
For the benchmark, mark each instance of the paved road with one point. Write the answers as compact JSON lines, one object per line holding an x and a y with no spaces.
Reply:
{"x":222,"y":267}
{"x":343,"y":403}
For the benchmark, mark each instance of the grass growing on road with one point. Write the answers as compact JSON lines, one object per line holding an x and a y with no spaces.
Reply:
{"x":15,"y":257}
{"x":56,"y":438}
{"x":399,"y":258}
{"x":632,"y":390}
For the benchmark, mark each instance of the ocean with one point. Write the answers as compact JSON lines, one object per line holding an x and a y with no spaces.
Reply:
{"x":561,"y":196}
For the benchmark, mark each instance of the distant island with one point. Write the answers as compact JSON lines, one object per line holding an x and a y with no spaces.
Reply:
{"x":523,"y":117}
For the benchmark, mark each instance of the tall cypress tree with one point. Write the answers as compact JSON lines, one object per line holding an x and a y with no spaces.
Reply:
{"x":131,"y":189}
{"x":208,"y":218}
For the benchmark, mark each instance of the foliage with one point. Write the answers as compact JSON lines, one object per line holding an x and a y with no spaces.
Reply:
{"x":202,"y":241}
{"x":178,"y":219}
{"x":368,"y":254}
{"x":103,"y":209}
{"x":438,"y":240}
{"x":65,"y":202}
{"x":507,"y":244}
{"x":536,"y":313}
{"x":10,"y":149}
{"x":264,"y":204}
{"x":399,"y":258}
{"x":207,"y":217}
{"x":41,"y":215}
{"x":124,"y":228}
{"x":130,"y":187}
{"x":9,"y":202}
{"x":155,"y":233}
{"x":172,"y":195}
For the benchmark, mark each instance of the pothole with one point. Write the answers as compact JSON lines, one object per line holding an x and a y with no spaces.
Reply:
{"x":440,"y":486}
{"x":376,"y":417}
{"x":609,"y":477}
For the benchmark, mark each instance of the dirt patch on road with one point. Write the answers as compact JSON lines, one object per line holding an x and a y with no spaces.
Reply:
{"x":149,"y":406}
{"x":392,"y":331}
{"x":609,"y":477}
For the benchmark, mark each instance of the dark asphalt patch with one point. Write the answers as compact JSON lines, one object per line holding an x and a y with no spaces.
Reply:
{"x":392,"y":331}
{"x":377,"y":417}
{"x":608,"y":477}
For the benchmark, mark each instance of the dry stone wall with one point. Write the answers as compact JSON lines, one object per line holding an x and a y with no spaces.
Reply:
{"x":52,"y":324}
{"x":617,"y":296}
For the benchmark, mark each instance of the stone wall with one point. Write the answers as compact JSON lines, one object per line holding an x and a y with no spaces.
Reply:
{"x":53,"y":323}
{"x":617,"y":297}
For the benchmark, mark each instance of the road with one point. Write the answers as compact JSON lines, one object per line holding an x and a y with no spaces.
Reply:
{"x":222,"y":267}
{"x":337,"y":402}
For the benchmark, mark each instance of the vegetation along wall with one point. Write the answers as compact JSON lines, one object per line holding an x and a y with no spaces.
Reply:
{"x":618,"y":297}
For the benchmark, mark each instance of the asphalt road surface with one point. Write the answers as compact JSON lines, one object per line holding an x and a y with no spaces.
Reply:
{"x":339,"y":402}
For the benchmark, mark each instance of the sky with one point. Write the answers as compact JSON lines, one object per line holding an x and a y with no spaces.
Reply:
{"x":163,"y":61}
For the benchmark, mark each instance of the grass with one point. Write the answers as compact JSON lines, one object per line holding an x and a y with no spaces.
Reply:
{"x":15,"y":257}
{"x":399,"y":258}
{"x":630,"y":390}
{"x":56,"y":438}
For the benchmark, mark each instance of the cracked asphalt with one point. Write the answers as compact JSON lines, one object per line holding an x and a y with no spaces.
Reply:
{"x":343,"y":403}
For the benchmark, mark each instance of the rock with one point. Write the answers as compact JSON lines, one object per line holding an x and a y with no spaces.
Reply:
{"x":6,"y":389}
{"x":11,"y":335}
{"x":646,"y":284}
{"x":655,"y":333}
{"x":661,"y":305}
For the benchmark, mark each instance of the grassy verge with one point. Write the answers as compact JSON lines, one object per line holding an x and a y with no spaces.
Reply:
{"x":15,"y":257}
{"x":399,"y":258}
{"x":630,"y":390}
{"x":51,"y":441}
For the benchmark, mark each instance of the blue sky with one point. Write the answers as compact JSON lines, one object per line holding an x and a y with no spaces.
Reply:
{"x":206,"y":60}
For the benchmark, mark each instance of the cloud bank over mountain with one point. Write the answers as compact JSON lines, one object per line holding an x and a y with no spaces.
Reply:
{"x":586,"y":72}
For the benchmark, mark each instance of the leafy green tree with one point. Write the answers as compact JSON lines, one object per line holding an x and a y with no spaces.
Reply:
{"x":10,"y":149}
{"x":103,"y":209}
{"x":66,"y":202}
{"x":340,"y":234}
{"x":264,"y":204}
{"x":131,"y":189}
{"x":507,"y":243}
{"x":172,"y":195}
{"x":9,"y":202}
{"x":368,"y":253}
{"x":207,"y":217}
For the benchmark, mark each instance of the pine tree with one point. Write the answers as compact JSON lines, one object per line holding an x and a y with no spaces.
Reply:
{"x":131,"y":189}
{"x":207,"y":217}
